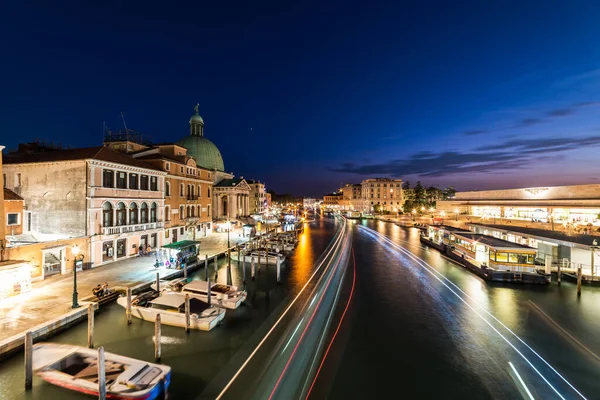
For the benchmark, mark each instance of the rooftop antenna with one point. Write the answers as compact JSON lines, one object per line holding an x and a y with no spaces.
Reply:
{"x":124,"y":124}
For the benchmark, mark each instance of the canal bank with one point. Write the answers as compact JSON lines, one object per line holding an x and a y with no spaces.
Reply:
{"x":196,"y":357}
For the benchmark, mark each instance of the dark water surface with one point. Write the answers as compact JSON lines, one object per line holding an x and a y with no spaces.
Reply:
{"x":408,"y":335}
{"x":196,"y":358}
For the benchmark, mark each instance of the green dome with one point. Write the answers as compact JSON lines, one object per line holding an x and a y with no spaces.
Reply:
{"x":206,"y":154}
{"x":196,"y":118}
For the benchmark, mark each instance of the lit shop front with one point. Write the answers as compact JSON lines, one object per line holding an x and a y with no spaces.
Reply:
{"x":15,"y":278}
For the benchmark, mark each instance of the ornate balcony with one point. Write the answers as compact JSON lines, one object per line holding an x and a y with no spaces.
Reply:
{"x":118,"y":230}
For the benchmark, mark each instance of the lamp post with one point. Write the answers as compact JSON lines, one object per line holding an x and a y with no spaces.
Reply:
{"x":443,"y":214}
{"x":414,"y":212}
{"x":75,"y":251}
{"x":456,"y":213}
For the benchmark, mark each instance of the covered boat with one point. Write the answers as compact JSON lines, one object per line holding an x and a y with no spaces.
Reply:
{"x":247,"y":256}
{"x":171,"y":307}
{"x":226,"y":295}
{"x":174,"y":285}
{"x":76,"y":368}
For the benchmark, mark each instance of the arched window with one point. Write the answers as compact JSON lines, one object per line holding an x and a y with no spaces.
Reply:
{"x":167,"y":213}
{"x":208,"y":192}
{"x":167,"y":189}
{"x":107,"y":214}
{"x":153,"y":213}
{"x":181,"y":189}
{"x":144,"y":213}
{"x":133,"y":214}
{"x":199,"y":191}
{"x":121,"y":214}
{"x":199,"y":213}
{"x":181,"y":212}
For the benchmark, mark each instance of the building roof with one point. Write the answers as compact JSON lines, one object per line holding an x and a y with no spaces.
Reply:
{"x":586,"y":240}
{"x":229,"y":182}
{"x":10,"y":195}
{"x":95,"y":153}
{"x":498,"y":244}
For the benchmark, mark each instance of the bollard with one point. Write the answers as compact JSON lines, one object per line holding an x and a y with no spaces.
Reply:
{"x":28,"y":360}
{"x":258,"y":265}
{"x":579,"y":280}
{"x":243,"y":269}
{"x":128,"y":309}
{"x":278,"y":270}
{"x":157,"y":337}
{"x":157,"y":282}
{"x":229,"y":267}
{"x":187,"y":312}
{"x":216,"y":268}
{"x":252,"y":267}
{"x":208,"y":291}
{"x":558,"y":274}
{"x":101,"y":374}
{"x":185,"y":271}
{"x":90,"y":326}
{"x":206,"y":267}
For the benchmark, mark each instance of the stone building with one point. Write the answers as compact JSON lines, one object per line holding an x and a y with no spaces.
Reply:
{"x":258,"y":196}
{"x":16,"y":218}
{"x":230,"y":197}
{"x":352,"y":199}
{"x":332,"y":200}
{"x":98,"y":193}
{"x":383,"y":193}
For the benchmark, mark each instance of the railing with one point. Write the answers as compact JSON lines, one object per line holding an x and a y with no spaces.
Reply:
{"x":118,"y":230}
{"x":192,"y":197}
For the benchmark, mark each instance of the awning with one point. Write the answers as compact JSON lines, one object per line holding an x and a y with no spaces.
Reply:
{"x":181,"y":244}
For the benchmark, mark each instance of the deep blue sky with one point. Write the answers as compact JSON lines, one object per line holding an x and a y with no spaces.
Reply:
{"x":309,"y":95}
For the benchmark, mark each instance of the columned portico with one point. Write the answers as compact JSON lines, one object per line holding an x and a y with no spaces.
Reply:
{"x":231,"y":198}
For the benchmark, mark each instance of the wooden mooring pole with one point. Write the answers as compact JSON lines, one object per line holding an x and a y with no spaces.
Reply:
{"x":91,"y":326}
{"x":187,"y":312}
{"x":558,"y":273}
{"x":157,"y":349}
{"x":157,"y":282}
{"x":101,"y":374}
{"x":579,"y":280}
{"x":28,"y":360}
{"x":128,"y":309}
{"x":206,"y":267}
{"x":252,"y":267}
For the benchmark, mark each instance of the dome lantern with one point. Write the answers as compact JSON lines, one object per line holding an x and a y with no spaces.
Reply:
{"x":196,"y":123}
{"x":206,"y":154}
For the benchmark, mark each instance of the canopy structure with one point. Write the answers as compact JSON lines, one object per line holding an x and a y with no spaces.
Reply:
{"x":183,"y":244}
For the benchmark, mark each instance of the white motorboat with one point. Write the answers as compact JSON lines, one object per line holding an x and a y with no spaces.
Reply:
{"x":174,"y":285}
{"x":226,"y":295}
{"x":76,"y":368}
{"x":280,"y":245}
{"x":247,"y":256}
{"x":171,"y":307}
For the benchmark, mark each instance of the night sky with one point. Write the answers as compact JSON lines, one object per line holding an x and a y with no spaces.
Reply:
{"x":309,"y":95}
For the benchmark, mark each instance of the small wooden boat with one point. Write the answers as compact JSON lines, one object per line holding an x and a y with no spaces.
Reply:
{"x":171,"y":307}
{"x":247,"y":256}
{"x":226,"y":295}
{"x":76,"y":368}
{"x":174,"y":285}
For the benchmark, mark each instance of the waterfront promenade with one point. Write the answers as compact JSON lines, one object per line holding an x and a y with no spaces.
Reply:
{"x":52,"y":297}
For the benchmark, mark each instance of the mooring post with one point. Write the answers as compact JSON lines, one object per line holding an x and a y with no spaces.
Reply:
{"x":278,"y":270}
{"x":229,"y":267}
{"x":157,"y":282}
{"x":208,"y":291}
{"x":187,"y":312}
{"x":128,"y":309}
{"x":91,"y":326}
{"x":579,"y":280}
{"x":558,"y":274}
{"x":101,"y":374}
{"x":548,"y":265}
{"x":28,"y":360}
{"x":258,"y":267}
{"x":157,"y":338}
{"x":252,"y":267}
{"x":206,"y":267}
{"x":216,"y":267}
{"x":185,"y":271}
{"x":243,"y":268}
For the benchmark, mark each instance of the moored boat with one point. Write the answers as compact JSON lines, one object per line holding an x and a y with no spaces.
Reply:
{"x":173,"y":285}
{"x":226,"y":295}
{"x":76,"y":368}
{"x":247,"y":256}
{"x":171,"y":307}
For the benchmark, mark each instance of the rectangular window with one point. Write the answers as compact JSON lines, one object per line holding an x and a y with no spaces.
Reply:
{"x":4,"y":179}
{"x":492,"y":255}
{"x":108,"y":177}
{"x":502,"y":257}
{"x":513,"y":258}
{"x":133,"y":181}
{"x":121,"y":180}
{"x":154,"y":183}
{"x":167,"y":166}
{"x":182,"y":170}
{"x":181,"y":231}
{"x":18,"y":179}
{"x":12,"y":219}
{"x":144,"y":182}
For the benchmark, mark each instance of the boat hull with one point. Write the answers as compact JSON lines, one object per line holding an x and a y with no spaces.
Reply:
{"x":230,"y":303}
{"x":263,"y":260}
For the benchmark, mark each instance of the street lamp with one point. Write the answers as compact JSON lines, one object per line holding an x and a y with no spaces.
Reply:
{"x":443,"y":214}
{"x":414,"y":212}
{"x":456,"y":213}
{"x":75,"y":251}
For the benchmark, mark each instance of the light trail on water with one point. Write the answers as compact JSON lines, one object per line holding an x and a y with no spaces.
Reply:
{"x":454,"y":289}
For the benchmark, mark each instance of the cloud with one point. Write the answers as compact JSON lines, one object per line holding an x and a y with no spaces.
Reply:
{"x":475,"y":132}
{"x":510,"y":155}
{"x":561,"y":112}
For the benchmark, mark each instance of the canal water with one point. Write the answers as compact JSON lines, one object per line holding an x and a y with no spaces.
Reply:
{"x":196,"y":358}
{"x":407,"y":335}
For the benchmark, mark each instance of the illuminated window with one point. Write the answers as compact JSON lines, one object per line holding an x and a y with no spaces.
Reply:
{"x":502,"y":257}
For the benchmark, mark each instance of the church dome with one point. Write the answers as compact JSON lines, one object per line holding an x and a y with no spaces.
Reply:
{"x":206,"y":154}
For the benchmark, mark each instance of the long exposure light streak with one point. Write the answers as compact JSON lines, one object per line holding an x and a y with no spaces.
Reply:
{"x":437,"y":275}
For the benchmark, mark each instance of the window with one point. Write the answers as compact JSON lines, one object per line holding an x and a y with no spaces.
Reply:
{"x":199,"y":191}
{"x":502,"y":257}
{"x":208,"y":190}
{"x":167,"y":189}
{"x":18,"y":179}
{"x":181,"y":212}
{"x":181,"y":231}
{"x":144,"y":213}
{"x":12,"y":219}
{"x":121,"y":180}
{"x":181,"y":190}
{"x":182,"y":170}
{"x":107,"y":251}
{"x":167,"y":213}
{"x":144,"y":182}
{"x":4,"y":179}
{"x":492,"y":255}
{"x":154,"y":183}
{"x":153,"y":240}
{"x":209,"y":175}
{"x":108,"y":178}
{"x":107,"y":214}
{"x":153,"y":213}
{"x":513,"y":258}
{"x":208,"y":212}
{"x":133,"y":181}
{"x":133,"y":214}
{"x":121,"y":214}
{"x":167,"y":166}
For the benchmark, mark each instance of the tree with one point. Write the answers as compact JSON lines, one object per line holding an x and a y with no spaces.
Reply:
{"x":406,"y":185}
{"x":377,"y":208}
{"x":419,"y":194}
{"x":448,"y":193}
